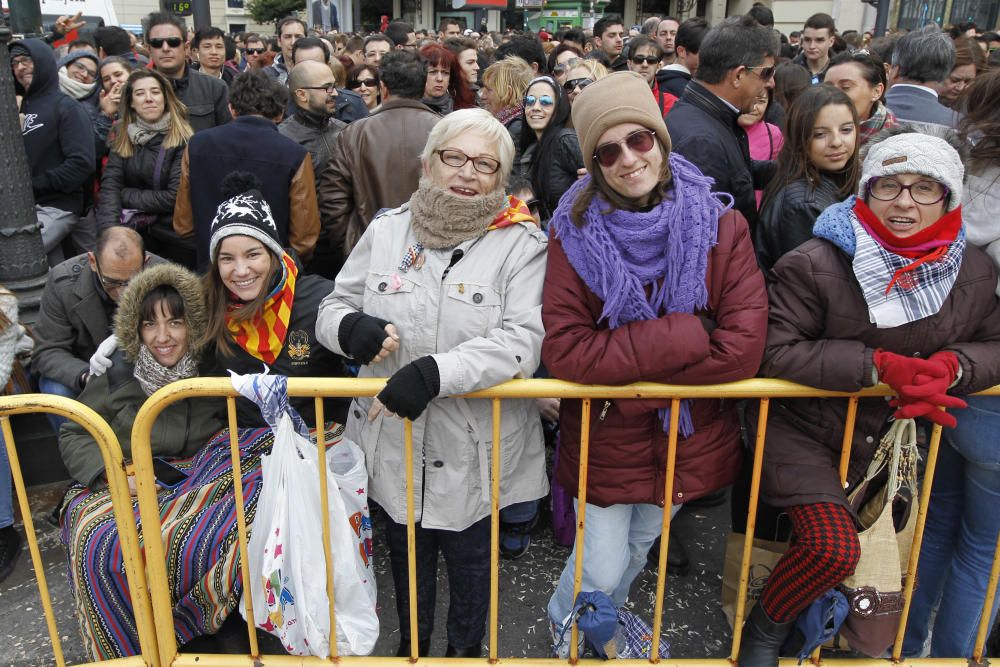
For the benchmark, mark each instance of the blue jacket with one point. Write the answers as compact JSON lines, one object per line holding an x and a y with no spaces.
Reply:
{"x":918,"y":107}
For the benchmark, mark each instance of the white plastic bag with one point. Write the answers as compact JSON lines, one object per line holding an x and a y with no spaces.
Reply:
{"x":287,"y":582}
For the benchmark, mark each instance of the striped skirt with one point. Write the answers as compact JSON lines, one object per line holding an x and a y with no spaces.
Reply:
{"x":198,"y":522}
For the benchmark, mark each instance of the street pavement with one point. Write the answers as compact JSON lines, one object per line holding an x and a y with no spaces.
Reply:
{"x":693,"y":622}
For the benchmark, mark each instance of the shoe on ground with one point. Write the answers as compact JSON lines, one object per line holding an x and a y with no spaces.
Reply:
{"x":678,"y":562}
{"x":475,"y":651}
{"x":515,"y":538}
{"x":10,"y":549}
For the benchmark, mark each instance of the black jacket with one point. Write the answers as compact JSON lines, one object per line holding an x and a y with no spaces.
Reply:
{"x":128,"y":183}
{"x":672,"y":81}
{"x":313,"y":132}
{"x":58,"y":136}
{"x":800,"y":60}
{"x":704,"y":130}
{"x":301,"y":356}
{"x":206,"y":98}
{"x":787,"y":218}
{"x":350,"y":106}
{"x":558,"y":173}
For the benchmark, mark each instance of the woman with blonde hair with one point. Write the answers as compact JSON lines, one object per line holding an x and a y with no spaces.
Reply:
{"x":502,"y":94}
{"x":580,"y":73}
{"x":143,"y":172}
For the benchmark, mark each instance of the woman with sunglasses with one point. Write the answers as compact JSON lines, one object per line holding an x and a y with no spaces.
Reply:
{"x":650,"y":277}
{"x":818,"y":166}
{"x":364,"y":81}
{"x":580,"y":73}
{"x":888,"y":291}
{"x":443,"y":297}
{"x":861,"y":75}
{"x":558,"y":58}
{"x":550,"y":154}
{"x":446,"y":88}
{"x":140,"y":180}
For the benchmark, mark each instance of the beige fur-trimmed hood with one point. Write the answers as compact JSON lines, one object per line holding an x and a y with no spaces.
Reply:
{"x":129,"y":306}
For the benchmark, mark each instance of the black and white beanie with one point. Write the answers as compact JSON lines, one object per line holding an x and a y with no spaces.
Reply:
{"x":245,"y":214}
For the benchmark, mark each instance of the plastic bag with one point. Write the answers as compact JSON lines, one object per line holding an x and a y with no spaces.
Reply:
{"x":287,"y":566}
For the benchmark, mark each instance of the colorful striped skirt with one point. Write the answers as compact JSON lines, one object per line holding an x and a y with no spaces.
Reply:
{"x":198,"y":522}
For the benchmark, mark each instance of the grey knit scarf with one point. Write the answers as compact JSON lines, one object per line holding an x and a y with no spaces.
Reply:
{"x":140,"y":132}
{"x":153,"y":375}
{"x":441,"y":219}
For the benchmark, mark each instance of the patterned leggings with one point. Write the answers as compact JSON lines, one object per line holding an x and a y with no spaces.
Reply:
{"x":824,"y":552}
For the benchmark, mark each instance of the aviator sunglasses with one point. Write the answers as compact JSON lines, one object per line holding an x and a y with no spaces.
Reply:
{"x":544,"y":100}
{"x":640,"y":141}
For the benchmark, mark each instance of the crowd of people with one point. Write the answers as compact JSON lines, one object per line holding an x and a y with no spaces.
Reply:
{"x":674,"y":202}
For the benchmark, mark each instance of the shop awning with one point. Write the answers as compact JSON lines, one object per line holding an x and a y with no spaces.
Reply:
{"x":479,"y":4}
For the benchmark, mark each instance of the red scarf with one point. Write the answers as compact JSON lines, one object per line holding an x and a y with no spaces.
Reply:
{"x":263,"y":335}
{"x":514,"y":211}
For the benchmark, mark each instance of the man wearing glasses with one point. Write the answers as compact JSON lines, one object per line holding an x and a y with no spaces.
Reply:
{"x":206,"y":97}
{"x":254,"y":51}
{"x":77,"y":310}
{"x":59,"y":143}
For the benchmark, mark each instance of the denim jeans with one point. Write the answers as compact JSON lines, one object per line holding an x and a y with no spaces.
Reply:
{"x":615,"y":544}
{"x":47,"y":386}
{"x":6,"y":489}
{"x":467,"y":557}
{"x":960,"y":535}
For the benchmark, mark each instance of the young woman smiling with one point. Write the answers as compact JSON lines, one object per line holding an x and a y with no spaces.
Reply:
{"x":818,"y":166}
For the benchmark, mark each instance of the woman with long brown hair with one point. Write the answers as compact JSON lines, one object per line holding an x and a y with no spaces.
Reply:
{"x":818,"y":166}
{"x":446,"y":89}
{"x":862,"y":77}
{"x":140,"y":181}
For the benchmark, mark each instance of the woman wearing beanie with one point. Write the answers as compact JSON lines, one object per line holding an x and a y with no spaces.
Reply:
{"x":261,"y":311}
{"x":889,"y":292}
{"x":650,"y":277}
{"x":159,"y":322}
{"x":140,"y":180}
{"x":443,"y":297}
{"x":818,"y":166}
{"x":550,"y":155}
{"x":962,"y":521}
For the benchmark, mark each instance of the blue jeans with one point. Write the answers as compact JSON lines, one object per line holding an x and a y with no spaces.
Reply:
{"x":615,"y":544}
{"x":47,"y":386}
{"x":960,"y":535}
{"x":6,"y":490}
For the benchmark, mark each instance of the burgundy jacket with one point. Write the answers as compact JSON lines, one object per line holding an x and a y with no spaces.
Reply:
{"x":628,"y":446}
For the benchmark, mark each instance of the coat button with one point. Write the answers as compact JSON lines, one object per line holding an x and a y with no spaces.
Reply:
{"x":357,"y":414}
{"x":916,"y":354}
{"x":477,"y":297}
{"x":680,"y":495}
{"x":382,"y":286}
{"x":869,"y":440}
{"x":439,"y":464}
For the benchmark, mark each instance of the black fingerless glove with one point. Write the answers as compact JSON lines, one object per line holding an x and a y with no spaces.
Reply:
{"x":361,"y":336}
{"x":412,"y":387}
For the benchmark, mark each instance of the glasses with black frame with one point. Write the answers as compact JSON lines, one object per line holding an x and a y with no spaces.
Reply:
{"x":457,"y":159}
{"x":924,"y":191}
{"x":580,"y":83}
{"x":110,"y":284}
{"x":648,"y":60}
{"x":330,"y":88}
{"x":172,"y":42}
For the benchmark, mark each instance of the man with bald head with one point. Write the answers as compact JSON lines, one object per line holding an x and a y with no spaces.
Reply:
{"x":78,"y":307}
{"x":313,"y":91}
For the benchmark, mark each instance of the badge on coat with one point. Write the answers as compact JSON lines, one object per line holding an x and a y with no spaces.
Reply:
{"x":298,"y":345}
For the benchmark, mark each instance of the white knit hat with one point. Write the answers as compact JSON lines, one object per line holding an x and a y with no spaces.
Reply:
{"x":915,"y":153}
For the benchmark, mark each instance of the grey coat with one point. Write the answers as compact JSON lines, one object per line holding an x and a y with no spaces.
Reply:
{"x":481,"y":322}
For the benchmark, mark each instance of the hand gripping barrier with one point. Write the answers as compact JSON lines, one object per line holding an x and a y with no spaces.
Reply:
{"x":760,"y":389}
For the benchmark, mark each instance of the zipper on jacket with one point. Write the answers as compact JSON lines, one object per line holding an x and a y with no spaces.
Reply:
{"x":455,"y":257}
{"x":604,"y":411}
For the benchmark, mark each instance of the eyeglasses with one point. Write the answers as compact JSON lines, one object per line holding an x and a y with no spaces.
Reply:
{"x":110,"y":284}
{"x":640,"y":141}
{"x":544,"y":100}
{"x":83,"y":69}
{"x":255,"y":52}
{"x":766,"y":73}
{"x":368,"y":83}
{"x":457,"y":159}
{"x":922,"y":192}
{"x":649,"y":60}
{"x":573,"y":84}
{"x":172,"y":42}
{"x":22,"y":61}
{"x":330,"y":88}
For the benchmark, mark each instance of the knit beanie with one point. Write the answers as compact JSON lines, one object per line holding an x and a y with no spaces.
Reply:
{"x":77,"y":55}
{"x":622,"y":97}
{"x":915,"y":153}
{"x":245,"y":214}
{"x":19,"y":49}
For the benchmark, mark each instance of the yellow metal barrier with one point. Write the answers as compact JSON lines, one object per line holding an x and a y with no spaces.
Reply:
{"x":763,"y":390}
{"x":121,"y":502}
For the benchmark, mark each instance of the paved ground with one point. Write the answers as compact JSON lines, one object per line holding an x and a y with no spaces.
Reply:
{"x":693,"y":621}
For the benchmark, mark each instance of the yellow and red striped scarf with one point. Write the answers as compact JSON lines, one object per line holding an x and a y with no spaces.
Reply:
{"x":263,"y":336}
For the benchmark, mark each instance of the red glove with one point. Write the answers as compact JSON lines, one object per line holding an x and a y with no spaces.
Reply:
{"x":896,"y":370}
{"x":935,"y":379}
{"x":929,"y":409}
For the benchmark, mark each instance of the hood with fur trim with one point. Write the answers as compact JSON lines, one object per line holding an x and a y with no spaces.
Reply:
{"x":130,"y":306}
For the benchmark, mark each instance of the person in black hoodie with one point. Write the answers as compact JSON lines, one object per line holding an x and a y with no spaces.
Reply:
{"x":58,"y":140}
{"x":674,"y":78}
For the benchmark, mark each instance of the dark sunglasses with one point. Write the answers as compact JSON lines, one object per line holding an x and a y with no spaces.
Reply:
{"x":256,"y":52}
{"x":544,"y":100}
{"x":766,"y":73}
{"x":573,"y":84}
{"x":172,"y":42}
{"x":371,"y":83}
{"x":649,"y":60}
{"x":640,"y":141}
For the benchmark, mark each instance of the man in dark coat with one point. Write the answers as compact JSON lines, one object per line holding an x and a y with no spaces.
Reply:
{"x":736,"y":61}
{"x":58,"y":141}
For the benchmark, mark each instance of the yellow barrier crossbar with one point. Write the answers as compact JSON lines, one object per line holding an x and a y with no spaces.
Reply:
{"x":761,"y":389}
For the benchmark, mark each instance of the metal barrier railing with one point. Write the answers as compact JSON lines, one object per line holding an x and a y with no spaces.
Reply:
{"x":761,"y":389}
{"x":111,"y":452}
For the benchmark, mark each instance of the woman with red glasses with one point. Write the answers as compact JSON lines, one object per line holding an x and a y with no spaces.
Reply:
{"x":651,"y":277}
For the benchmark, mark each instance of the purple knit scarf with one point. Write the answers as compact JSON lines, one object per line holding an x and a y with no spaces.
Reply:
{"x":618,"y":254}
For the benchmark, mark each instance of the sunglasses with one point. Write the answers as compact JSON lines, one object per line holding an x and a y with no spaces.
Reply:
{"x":256,"y":52}
{"x":544,"y":100}
{"x":172,"y":42}
{"x":370,"y":83}
{"x":640,"y":141}
{"x":766,"y":73}
{"x":573,"y":84}
{"x":649,"y":60}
